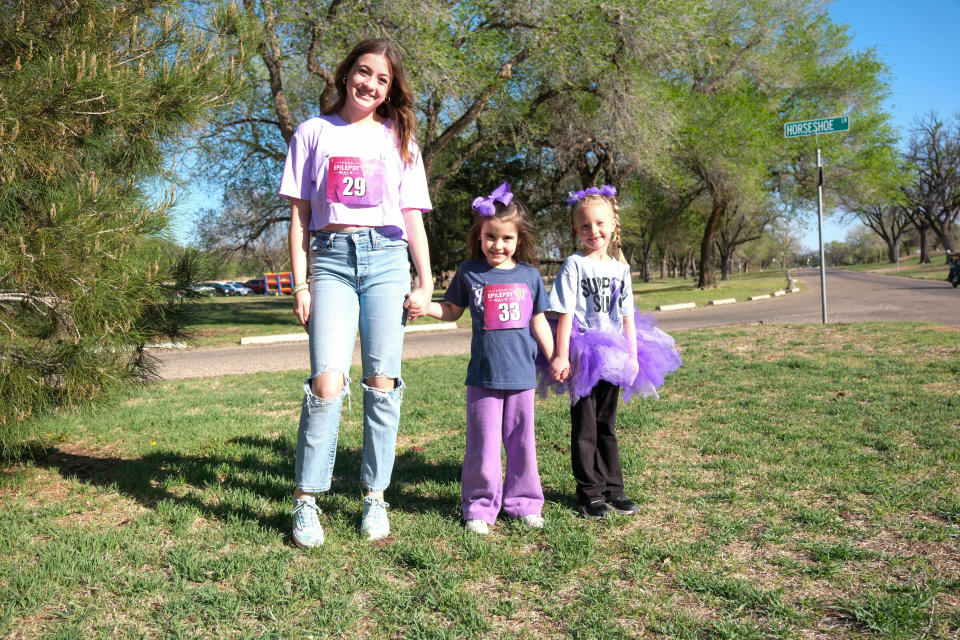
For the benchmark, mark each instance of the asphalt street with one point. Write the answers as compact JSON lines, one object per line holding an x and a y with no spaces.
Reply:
{"x":851,"y":297}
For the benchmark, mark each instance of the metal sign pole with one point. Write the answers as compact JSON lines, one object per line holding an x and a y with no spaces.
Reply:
{"x":823,"y":269}
{"x":814,"y":128}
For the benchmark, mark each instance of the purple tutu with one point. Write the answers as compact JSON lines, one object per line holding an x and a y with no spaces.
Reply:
{"x":606,"y":355}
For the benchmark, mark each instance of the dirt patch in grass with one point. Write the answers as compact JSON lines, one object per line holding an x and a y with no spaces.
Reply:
{"x":417,"y":441}
{"x":943,"y":556}
{"x":942,"y":388}
{"x":70,"y":468}
{"x":30,"y":627}
{"x":110,"y":510}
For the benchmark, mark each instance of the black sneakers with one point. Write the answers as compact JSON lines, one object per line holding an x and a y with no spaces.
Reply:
{"x":600,"y":508}
{"x":623,"y":506}
{"x":594,"y":510}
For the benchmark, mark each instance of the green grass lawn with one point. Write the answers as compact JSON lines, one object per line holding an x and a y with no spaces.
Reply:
{"x":909,"y":267}
{"x":222,"y":321}
{"x":795,"y":481}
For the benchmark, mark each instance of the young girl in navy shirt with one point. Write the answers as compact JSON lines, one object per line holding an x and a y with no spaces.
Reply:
{"x":503,"y":289}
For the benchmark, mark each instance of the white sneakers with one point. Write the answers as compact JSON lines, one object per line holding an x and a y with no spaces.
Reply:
{"x":532,"y":520}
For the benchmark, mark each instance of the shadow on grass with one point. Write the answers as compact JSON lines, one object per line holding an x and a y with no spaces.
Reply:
{"x":229,"y":487}
{"x":264,"y":311}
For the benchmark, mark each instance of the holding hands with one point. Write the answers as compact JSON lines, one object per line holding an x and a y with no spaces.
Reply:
{"x":560,"y":368}
{"x":417,"y":303}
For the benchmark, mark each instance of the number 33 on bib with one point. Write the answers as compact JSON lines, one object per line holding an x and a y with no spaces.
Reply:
{"x":357,"y":181}
{"x":506,"y":306}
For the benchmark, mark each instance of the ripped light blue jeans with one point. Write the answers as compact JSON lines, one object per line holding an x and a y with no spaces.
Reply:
{"x":357,"y":281}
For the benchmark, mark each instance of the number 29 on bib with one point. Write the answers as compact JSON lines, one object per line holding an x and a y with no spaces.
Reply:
{"x":357,"y":181}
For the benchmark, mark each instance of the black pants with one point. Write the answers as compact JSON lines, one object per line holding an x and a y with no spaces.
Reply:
{"x":593,"y":444}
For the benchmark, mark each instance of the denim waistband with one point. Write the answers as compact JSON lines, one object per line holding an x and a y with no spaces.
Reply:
{"x":370,"y":234}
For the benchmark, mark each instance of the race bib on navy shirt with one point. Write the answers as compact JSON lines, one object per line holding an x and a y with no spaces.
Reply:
{"x":357,"y":181}
{"x":506,"y":306}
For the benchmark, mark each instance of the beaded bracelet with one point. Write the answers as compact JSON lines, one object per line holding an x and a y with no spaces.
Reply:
{"x":303,"y":286}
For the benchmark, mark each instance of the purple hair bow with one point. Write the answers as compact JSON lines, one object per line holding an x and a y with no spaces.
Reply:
{"x":607,"y":190}
{"x":485,"y":207}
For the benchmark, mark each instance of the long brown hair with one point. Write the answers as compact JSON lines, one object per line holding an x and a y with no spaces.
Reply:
{"x":398,"y":105}
{"x":516,"y":213}
{"x":614,"y":249}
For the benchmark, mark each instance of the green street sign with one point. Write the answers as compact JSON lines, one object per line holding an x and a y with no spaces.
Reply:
{"x":816,"y":127}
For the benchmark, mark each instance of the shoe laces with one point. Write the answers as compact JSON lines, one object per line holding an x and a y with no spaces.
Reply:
{"x":376,"y":508}
{"x":306,"y":512}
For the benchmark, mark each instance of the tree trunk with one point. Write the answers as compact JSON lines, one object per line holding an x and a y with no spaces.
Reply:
{"x":708,"y":275}
{"x":893,"y":250}
{"x":645,"y":268}
{"x":725,"y":264}
{"x":922,"y":229}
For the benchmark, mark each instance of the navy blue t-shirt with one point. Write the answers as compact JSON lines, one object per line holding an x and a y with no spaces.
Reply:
{"x":502,"y":302}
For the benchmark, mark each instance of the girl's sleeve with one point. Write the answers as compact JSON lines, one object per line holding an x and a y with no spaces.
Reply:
{"x":297,"y":180}
{"x":626,"y":296}
{"x":413,"y":184}
{"x":563,"y":295}
{"x":541,"y":302}
{"x":458,"y":292}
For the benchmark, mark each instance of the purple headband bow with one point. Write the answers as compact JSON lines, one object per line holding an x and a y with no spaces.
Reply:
{"x":485,"y":207}
{"x":608,"y":191}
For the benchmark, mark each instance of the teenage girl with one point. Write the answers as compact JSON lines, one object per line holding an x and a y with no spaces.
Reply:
{"x":600,"y":347}
{"x":357,"y":189}
{"x":507,"y":300}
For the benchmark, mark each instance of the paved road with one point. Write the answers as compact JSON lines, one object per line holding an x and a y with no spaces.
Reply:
{"x":851,"y":297}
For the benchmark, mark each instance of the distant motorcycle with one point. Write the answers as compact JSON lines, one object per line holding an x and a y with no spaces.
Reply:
{"x":954,"y":276}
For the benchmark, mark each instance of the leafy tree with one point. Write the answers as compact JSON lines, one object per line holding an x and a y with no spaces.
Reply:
{"x":767,"y":62}
{"x":90,"y":93}
{"x":487,"y":78}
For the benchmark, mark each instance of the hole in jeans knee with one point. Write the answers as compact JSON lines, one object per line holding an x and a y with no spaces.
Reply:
{"x":394,"y":394}
{"x":381,"y":383}
{"x":328,"y":384}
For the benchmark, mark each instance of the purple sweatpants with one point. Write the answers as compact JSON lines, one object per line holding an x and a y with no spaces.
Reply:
{"x":495,"y":417}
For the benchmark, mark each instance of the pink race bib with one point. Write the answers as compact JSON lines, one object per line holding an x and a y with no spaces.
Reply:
{"x":506,"y":306}
{"x":355,"y":180}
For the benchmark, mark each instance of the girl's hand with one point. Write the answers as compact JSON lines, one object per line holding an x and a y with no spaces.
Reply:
{"x":560,"y":368}
{"x":418,"y":303}
{"x":301,"y":307}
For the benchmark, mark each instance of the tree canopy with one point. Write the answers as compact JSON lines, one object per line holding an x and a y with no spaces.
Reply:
{"x":558,"y":96}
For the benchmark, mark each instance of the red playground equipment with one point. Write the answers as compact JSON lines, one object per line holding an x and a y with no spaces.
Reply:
{"x":277,"y":284}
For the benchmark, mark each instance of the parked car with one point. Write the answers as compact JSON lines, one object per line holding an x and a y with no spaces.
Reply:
{"x":221,"y":289}
{"x":255,"y":285}
{"x":203,"y":288}
{"x":239,"y":288}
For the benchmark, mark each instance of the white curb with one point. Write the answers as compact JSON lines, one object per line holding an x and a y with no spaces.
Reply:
{"x":759,"y":297}
{"x":723,"y":301}
{"x":679,"y":305}
{"x":777,"y":294}
{"x":302,"y":336}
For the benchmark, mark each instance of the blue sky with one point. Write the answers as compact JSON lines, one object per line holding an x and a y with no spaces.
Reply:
{"x":920,"y":42}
